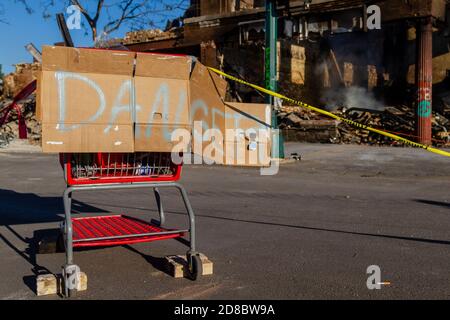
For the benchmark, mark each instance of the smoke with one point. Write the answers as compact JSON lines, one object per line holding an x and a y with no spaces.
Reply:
{"x":352,"y":97}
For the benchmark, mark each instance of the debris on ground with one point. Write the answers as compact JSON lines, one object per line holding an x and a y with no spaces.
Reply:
{"x":22,"y":76}
{"x":307,"y":126}
{"x":10,"y":129}
{"x":140,"y":36}
{"x":13,"y":84}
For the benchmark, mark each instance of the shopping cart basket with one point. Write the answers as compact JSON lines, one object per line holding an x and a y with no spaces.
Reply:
{"x":109,"y":171}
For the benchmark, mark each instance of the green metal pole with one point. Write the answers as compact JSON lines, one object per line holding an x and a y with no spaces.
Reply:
{"x":271,"y":72}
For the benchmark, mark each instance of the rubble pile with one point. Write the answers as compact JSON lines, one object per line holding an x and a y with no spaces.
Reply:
{"x":305,"y":125}
{"x":16,"y":81}
{"x":151,"y":35}
{"x":13,"y":83}
{"x":10,"y":130}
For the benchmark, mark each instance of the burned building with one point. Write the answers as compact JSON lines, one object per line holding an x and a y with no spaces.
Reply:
{"x":330,"y":53}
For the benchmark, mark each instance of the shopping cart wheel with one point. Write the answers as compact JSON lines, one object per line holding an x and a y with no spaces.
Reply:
{"x":195,"y":266}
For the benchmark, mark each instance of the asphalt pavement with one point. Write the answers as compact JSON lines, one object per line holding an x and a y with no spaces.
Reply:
{"x":309,"y":232}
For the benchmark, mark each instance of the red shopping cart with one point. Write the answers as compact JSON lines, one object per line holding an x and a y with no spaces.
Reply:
{"x":109,"y":171}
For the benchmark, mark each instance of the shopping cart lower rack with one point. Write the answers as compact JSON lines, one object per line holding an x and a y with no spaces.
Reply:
{"x":109,"y":171}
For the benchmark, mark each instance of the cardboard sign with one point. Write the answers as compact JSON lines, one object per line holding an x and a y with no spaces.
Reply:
{"x":117,"y":101}
{"x":81,"y":94}
{"x":161,"y":86}
{"x":247,"y":134}
{"x":207,"y":94}
{"x":81,"y":60}
{"x":119,"y":139}
{"x":155,"y":65}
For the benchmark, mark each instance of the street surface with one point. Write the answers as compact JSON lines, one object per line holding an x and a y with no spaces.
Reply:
{"x":309,"y":232}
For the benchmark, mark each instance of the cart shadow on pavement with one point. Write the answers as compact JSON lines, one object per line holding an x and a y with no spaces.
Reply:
{"x":29,"y":255}
{"x":29,"y":208}
{"x":156,"y":262}
{"x":434,"y":203}
{"x":366,"y":234}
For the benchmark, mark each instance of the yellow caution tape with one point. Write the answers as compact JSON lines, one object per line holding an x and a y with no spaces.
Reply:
{"x":331,"y":115}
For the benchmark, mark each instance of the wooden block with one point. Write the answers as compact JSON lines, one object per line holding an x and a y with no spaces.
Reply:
{"x":47,"y":284}
{"x":177,"y":267}
{"x":82,"y":286}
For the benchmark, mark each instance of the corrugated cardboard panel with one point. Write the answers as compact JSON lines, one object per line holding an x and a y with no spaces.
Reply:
{"x":161,"y":101}
{"x":87,"y":138}
{"x":206,"y":101}
{"x":163,"y":66}
{"x":220,"y":85}
{"x":242,"y":154}
{"x":246,"y":116}
{"x":156,"y":137}
{"x":203,"y":78}
{"x":248,"y":150}
{"x":80,"y":60}
{"x":75,"y":98}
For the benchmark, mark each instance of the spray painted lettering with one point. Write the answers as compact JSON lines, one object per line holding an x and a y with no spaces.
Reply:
{"x":160,"y":105}
{"x":424,"y":99}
